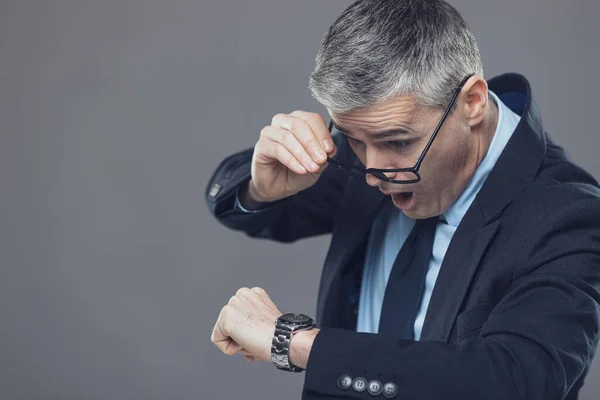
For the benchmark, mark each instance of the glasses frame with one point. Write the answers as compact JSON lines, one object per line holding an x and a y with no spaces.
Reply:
{"x":380,"y":173}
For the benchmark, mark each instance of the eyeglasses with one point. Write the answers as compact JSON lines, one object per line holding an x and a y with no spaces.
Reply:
{"x":381,"y":173}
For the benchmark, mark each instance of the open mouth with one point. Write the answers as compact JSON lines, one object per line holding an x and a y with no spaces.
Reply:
{"x":404,"y":200}
{"x":405,"y":195}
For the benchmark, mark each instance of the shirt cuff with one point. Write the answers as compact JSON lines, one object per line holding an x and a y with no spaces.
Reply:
{"x":238,"y":205}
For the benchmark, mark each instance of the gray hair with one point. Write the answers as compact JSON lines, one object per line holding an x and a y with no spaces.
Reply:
{"x":379,"y":49}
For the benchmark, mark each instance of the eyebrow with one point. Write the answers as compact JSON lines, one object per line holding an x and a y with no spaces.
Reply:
{"x":379,"y":135}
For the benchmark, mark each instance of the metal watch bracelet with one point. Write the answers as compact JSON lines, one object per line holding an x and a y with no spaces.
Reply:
{"x":280,"y":350}
{"x":285,"y":327}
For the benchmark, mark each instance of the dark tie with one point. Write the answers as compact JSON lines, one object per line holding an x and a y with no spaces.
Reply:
{"x":405,"y":285}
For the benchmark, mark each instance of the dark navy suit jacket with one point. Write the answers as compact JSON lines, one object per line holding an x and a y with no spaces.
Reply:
{"x":515,"y":310}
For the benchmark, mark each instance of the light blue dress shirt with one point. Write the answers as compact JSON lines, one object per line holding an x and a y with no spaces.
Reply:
{"x":391,"y":229}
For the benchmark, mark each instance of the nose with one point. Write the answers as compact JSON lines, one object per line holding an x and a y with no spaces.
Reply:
{"x":371,"y":162}
{"x":374,"y":181}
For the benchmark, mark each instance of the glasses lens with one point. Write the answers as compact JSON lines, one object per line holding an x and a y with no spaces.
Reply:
{"x":399,"y":177}
{"x":360,"y":171}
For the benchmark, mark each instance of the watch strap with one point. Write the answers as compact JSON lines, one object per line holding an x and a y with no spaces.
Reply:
{"x":280,"y":350}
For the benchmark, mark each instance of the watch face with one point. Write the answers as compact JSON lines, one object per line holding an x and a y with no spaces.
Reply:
{"x":296,"y":318}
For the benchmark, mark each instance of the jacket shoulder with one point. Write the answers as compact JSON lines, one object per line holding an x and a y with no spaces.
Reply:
{"x":559,"y":185}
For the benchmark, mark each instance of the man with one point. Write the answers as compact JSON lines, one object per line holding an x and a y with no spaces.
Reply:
{"x":465,"y":266}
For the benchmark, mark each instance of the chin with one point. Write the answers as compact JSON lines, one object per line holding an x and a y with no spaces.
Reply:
{"x":416,"y":213}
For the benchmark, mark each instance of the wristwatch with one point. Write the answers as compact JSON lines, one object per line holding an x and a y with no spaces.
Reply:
{"x":285,"y":327}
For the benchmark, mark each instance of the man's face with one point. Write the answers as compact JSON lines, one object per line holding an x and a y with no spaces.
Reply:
{"x":446,"y":169}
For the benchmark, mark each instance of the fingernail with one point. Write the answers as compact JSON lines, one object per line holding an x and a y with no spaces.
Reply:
{"x":328,"y":145}
{"x":319,"y":155}
{"x":314,"y":167}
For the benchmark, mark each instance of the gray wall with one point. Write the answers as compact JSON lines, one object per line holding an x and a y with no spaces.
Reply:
{"x":113,"y":115}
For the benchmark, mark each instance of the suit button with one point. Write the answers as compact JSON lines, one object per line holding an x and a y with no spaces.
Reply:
{"x":359,"y":385}
{"x":215,"y":189}
{"x":375,"y":388}
{"x":390,"y":390}
{"x":344,"y":382}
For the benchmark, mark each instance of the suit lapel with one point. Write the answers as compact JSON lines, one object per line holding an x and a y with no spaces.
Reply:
{"x":456,"y":274}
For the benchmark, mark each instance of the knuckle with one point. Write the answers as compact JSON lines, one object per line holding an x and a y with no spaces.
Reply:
{"x":258,"y":290}
{"x":277,"y":117}
{"x":225,"y":309}
{"x":242,"y":291}
{"x":262,"y":143}
{"x":226,"y":313}
{"x":293,"y":123}
{"x":314,"y":117}
{"x":264,"y":131}
{"x":223,"y":321}
{"x":300,"y":114}
{"x":223,"y":313}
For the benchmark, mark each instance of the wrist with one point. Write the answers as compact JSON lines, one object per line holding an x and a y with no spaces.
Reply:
{"x":250,"y":199}
{"x":300,"y":347}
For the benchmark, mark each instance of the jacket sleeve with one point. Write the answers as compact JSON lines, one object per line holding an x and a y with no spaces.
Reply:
{"x":537,"y":342}
{"x":308,"y":213}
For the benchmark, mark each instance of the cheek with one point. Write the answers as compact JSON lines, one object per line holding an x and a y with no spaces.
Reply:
{"x":452,"y":173}
{"x":443,"y":169}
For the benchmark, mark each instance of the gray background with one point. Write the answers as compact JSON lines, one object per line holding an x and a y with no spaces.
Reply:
{"x":114,"y":114}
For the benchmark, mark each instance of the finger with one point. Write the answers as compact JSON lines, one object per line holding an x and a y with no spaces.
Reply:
{"x":278,"y":152}
{"x":249,"y":357}
{"x":288,"y":140}
{"x":319,"y":128}
{"x":219,"y":336}
{"x":260,"y":291}
{"x":263,"y":296}
{"x":245,"y":352}
{"x":224,"y":343}
{"x":231,"y":347}
{"x":303,"y":132}
{"x":334,"y":152}
{"x":281,"y":153}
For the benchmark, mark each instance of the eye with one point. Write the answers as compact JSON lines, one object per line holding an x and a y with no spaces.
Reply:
{"x":398,"y":145}
{"x":353,"y":142}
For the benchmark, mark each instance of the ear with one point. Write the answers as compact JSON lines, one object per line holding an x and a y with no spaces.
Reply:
{"x":475,"y":100}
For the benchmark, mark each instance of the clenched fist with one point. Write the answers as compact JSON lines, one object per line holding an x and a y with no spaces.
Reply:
{"x":290,"y":156}
{"x":246,"y":325}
